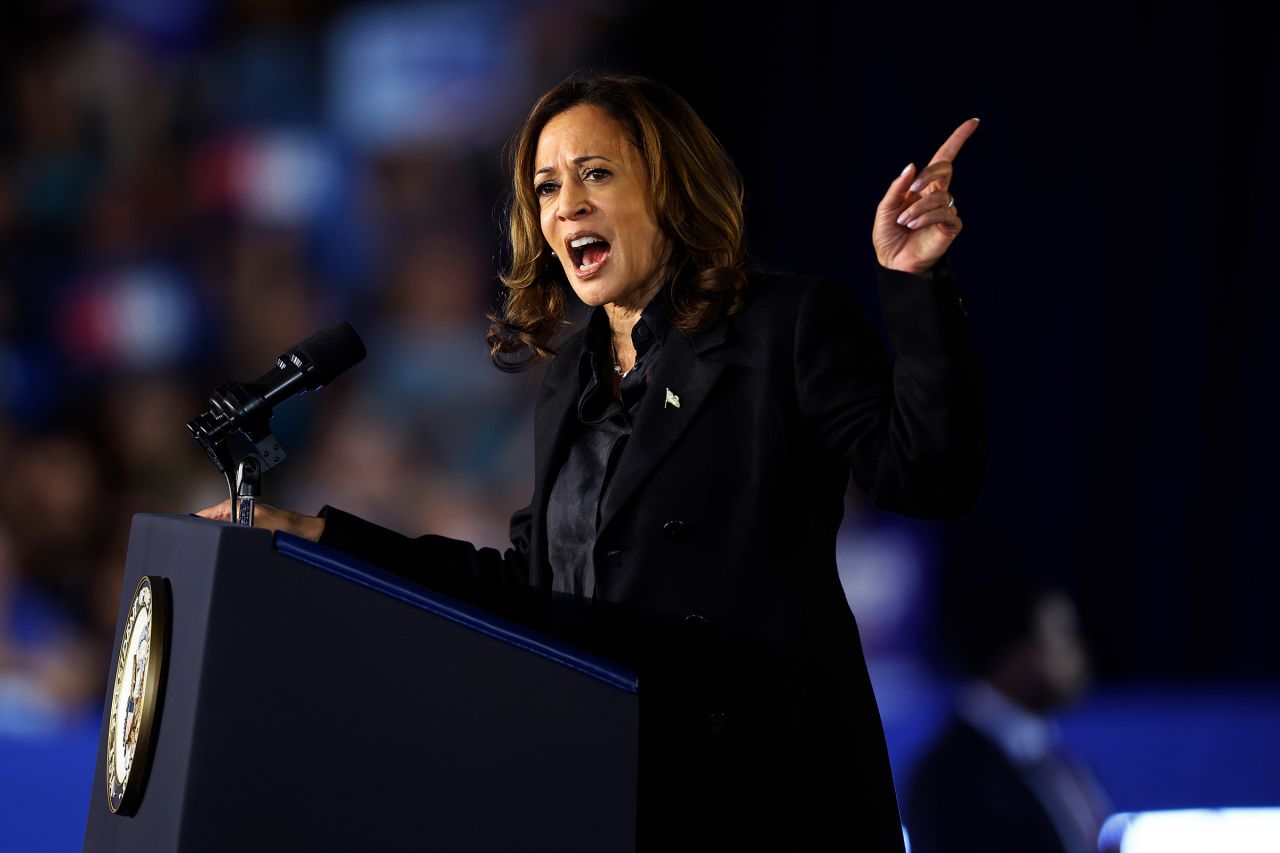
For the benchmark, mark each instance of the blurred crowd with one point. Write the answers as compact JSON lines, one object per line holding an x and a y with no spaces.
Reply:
{"x":189,"y":188}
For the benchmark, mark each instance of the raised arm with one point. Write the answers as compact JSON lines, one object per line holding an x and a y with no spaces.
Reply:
{"x":913,"y":429}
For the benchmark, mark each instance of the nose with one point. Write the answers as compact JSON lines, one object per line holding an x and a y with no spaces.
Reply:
{"x":573,"y":201}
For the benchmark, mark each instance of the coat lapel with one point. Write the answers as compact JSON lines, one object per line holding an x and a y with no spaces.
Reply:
{"x":684,"y":373}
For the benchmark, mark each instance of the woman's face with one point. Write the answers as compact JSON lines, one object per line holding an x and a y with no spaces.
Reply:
{"x":591,"y":181}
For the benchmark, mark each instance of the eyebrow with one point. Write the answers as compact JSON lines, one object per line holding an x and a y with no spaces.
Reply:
{"x":576,"y":161}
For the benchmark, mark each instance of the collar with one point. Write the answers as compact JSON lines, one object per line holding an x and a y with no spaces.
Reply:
{"x":595,"y":365}
{"x":596,"y":359}
{"x":652,"y":326}
{"x":1022,"y":735}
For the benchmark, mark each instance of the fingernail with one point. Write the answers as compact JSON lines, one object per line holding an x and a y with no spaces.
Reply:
{"x":905,"y":170}
{"x":902,"y":218}
{"x":975,"y":118}
{"x":913,"y":223}
{"x":915,"y":185}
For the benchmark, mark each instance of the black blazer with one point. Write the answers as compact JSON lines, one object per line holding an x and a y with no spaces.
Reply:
{"x":722,"y":521}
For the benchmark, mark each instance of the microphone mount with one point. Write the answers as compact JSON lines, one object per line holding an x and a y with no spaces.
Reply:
{"x":235,"y":432}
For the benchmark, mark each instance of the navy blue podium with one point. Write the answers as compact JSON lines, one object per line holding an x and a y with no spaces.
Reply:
{"x":311,"y":702}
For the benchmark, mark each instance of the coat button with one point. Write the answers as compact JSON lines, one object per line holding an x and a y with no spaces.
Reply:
{"x":696,"y":625}
{"x":676,"y":531}
{"x":696,"y":628}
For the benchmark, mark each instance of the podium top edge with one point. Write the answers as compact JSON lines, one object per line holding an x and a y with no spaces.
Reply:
{"x":356,"y":571}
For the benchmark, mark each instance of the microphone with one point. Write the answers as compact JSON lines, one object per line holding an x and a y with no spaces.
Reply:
{"x":246,"y":406}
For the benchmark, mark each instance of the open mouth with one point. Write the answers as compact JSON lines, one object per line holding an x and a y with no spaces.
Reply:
{"x":589,"y":253}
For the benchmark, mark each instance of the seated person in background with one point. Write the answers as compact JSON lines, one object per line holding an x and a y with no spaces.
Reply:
{"x":998,"y":778}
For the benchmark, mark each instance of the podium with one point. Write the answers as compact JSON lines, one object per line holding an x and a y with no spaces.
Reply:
{"x":312,"y":702}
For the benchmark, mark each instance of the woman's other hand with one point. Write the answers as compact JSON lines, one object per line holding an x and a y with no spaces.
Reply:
{"x":917,"y":219}
{"x":270,"y":518}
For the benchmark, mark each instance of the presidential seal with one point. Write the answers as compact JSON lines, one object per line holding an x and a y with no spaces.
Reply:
{"x":135,"y":696}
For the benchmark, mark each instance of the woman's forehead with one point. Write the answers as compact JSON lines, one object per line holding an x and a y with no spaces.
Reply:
{"x":578,"y":132}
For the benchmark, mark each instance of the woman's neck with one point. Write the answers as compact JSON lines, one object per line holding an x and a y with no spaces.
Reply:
{"x":623,"y":317}
{"x":621,"y":322}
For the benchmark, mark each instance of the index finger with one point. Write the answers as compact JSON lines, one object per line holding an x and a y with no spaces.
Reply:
{"x":955,"y":141}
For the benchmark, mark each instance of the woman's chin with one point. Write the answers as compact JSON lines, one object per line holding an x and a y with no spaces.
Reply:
{"x":594,"y":291}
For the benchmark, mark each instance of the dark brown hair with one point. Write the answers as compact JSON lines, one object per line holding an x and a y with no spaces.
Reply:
{"x":698,"y":199}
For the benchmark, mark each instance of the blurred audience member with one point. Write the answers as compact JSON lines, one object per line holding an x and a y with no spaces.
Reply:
{"x":50,"y":668}
{"x":49,"y":671}
{"x":999,"y":779}
{"x":433,"y":375}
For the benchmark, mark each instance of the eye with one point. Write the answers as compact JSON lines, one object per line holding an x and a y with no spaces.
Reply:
{"x":538,"y":190}
{"x":604,"y":173}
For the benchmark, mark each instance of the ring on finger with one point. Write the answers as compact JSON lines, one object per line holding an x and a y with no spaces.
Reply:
{"x":952,"y":203}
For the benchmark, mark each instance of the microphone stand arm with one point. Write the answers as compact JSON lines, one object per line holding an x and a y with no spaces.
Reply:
{"x":248,"y":488}
{"x":242,"y":454}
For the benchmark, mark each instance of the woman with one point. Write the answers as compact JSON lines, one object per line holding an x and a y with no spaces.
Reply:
{"x":693,"y":444}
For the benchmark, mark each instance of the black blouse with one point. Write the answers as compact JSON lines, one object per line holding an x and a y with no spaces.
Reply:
{"x":599,"y":438}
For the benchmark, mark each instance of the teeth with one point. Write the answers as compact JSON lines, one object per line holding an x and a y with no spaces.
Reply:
{"x":584,"y":241}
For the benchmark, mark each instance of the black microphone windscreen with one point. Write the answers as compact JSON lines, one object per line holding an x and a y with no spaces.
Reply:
{"x":332,"y":350}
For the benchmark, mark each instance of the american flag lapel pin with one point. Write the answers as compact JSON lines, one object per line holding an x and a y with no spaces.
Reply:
{"x":672,"y":399}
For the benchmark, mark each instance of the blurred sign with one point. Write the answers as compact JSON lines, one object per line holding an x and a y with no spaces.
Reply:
{"x":446,"y":72}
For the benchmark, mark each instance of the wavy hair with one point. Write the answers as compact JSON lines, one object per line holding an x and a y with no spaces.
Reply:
{"x":697,"y":194}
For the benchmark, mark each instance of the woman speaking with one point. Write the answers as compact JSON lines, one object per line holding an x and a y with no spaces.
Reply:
{"x":693,"y":444}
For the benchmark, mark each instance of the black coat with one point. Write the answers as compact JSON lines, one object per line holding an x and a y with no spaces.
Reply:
{"x":725,"y":509}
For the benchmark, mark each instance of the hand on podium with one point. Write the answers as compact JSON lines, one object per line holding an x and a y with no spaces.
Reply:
{"x":271,"y":518}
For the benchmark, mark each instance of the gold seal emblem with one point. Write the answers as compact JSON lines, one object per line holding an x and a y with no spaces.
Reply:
{"x":135,"y":696}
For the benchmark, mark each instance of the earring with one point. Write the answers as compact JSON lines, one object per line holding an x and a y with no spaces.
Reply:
{"x":553,"y":253}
